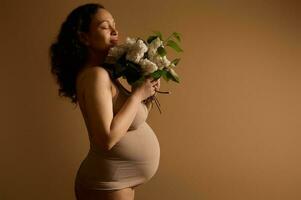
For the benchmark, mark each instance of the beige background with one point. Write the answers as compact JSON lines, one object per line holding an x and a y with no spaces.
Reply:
{"x":230,"y":130}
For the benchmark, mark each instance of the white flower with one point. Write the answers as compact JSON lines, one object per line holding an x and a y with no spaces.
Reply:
{"x":115,"y":53}
{"x":160,"y":61}
{"x":165,"y":61}
{"x":153,"y":46}
{"x":147,"y":66}
{"x":129,"y":42}
{"x":136,"y":51}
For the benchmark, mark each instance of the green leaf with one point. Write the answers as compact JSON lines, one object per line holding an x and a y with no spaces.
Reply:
{"x":156,"y":74}
{"x":174,"y":75}
{"x":177,"y":36}
{"x":169,"y":76}
{"x":159,"y":34}
{"x":176,"y":61}
{"x":165,"y":76}
{"x":151,"y":38}
{"x":174,"y":45}
{"x":161,"y":51}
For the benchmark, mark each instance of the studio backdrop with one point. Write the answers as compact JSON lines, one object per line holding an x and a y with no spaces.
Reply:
{"x":230,"y":130}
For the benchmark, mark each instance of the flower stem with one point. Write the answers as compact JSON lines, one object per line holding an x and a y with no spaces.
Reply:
{"x":162,"y":92}
{"x":157,"y":104}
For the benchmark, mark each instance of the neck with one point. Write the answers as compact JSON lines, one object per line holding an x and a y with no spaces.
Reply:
{"x":96,"y":58}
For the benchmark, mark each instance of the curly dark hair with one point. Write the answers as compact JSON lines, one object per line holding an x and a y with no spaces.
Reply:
{"x":68,"y":54}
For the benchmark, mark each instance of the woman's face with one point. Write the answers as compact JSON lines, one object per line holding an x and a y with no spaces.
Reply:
{"x":102,"y":34}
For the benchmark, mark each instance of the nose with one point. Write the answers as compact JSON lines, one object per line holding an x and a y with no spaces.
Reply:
{"x":114,"y":32}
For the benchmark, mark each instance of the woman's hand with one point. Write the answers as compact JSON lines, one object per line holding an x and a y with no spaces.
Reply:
{"x":157,"y":86}
{"x":146,"y":89}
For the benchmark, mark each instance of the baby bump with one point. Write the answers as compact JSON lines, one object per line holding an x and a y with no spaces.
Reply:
{"x":139,"y":145}
{"x":139,"y":153}
{"x":133,"y":160}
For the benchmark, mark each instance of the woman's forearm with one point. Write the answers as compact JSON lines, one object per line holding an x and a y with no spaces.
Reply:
{"x":123,"y":119}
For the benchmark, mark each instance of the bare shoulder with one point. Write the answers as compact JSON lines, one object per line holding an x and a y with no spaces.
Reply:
{"x":91,"y":78}
{"x":97,"y":72}
{"x":92,"y":75}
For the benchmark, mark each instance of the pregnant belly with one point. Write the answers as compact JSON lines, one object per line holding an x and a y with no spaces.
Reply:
{"x":134,"y":158}
{"x":139,"y":150}
{"x":139,"y":145}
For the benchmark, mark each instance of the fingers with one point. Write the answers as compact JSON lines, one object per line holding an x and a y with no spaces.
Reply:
{"x":152,"y":79}
{"x":155,"y":80}
{"x":158,"y":84}
{"x":153,"y":90}
{"x":155,"y":84}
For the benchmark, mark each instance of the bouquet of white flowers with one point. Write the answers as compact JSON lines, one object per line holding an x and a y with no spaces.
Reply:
{"x":138,"y":59}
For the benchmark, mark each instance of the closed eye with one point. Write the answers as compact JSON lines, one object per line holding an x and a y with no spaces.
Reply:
{"x":105,"y":25}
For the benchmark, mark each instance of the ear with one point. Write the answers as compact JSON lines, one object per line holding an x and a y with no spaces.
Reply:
{"x":83,"y":37}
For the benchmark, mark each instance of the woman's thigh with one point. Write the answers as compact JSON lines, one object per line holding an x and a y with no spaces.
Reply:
{"x":122,"y":194}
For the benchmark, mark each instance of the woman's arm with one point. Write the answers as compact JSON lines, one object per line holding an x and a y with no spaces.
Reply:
{"x":105,"y":129}
{"x":148,"y":102}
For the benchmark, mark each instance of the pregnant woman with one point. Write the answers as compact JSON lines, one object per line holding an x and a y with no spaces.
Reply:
{"x":124,"y":151}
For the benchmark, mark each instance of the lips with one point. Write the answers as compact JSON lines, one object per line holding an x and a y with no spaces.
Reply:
{"x":114,"y":40}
